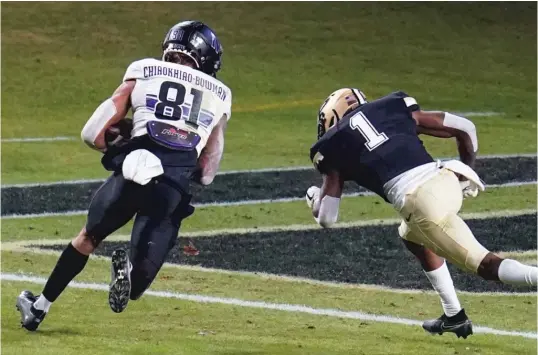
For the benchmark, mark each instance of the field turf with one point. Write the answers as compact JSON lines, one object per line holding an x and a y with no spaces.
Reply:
{"x":60,"y":60}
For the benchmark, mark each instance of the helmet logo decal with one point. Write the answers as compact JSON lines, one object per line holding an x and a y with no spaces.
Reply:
{"x":177,"y":35}
{"x":197,"y":41}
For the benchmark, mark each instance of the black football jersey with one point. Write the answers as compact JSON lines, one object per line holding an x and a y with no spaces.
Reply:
{"x":373,"y":143}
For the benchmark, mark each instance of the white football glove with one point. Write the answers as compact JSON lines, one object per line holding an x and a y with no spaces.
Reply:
{"x":468,"y":189}
{"x":312,"y":194}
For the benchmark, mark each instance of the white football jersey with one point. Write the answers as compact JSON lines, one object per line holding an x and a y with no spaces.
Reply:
{"x":178,"y":95}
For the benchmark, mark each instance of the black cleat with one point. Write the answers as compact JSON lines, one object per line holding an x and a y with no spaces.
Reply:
{"x":31,"y":318}
{"x":120,"y":286}
{"x":458,"y":324}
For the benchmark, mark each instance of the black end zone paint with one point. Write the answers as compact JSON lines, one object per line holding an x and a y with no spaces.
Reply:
{"x":254,"y":186}
{"x":366,"y":255}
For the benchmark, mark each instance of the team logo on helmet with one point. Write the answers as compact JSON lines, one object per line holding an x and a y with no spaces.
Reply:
{"x":336,"y":106}
{"x":177,"y":35}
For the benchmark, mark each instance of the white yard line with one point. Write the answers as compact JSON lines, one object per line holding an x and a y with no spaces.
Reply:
{"x":37,"y":139}
{"x":479,"y":114}
{"x":54,"y":183}
{"x":46,"y":214}
{"x":33,"y":246}
{"x":237,"y":203}
{"x":251,"y":171}
{"x":257,"y":274}
{"x":292,"y":308}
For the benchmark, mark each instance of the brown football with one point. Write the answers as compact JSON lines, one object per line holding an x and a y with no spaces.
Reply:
{"x":119,"y":131}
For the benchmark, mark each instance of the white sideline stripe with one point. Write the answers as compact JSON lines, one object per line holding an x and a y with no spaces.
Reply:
{"x":479,"y":114}
{"x":33,"y":246}
{"x":44,"y":184}
{"x":273,"y":306}
{"x":13,"y":246}
{"x":236,"y":203}
{"x":252,"y":171}
{"x":37,"y":139}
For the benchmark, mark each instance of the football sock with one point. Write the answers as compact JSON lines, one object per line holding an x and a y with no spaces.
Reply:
{"x":42,"y":304}
{"x":443,"y":285}
{"x":69,"y":265}
{"x":515,"y":273}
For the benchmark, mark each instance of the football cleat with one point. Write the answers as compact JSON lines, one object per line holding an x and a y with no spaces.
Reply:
{"x":459,"y":324}
{"x":120,"y":286}
{"x":31,"y":318}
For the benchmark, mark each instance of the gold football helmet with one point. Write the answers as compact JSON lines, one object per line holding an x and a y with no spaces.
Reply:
{"x":336,"y":106}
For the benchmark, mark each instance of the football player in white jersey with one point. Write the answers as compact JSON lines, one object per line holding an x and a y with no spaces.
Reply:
{"x":180,"y":112}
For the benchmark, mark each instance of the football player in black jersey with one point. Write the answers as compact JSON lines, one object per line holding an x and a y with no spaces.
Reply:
{"x":376,"y":145}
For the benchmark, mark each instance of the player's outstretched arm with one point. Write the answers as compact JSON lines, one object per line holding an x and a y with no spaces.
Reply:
{"x":209,"y":160}
{"x":110,"y":112}
{"x":447,"y":125}
{"x":325,"y":203}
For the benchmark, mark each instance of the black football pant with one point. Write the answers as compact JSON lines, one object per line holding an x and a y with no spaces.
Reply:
{"x":159,"y":206}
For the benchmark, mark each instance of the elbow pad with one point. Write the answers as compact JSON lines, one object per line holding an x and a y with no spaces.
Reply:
{"x":462,"y":124}
{"x":98,"y":122}
{"x":328,"y":211}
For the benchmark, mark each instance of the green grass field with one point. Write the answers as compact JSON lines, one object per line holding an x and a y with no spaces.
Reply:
{"x":280,"y":62}
{"x":60,"y":60}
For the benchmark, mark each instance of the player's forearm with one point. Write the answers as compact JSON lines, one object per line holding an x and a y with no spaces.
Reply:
{"x":208,"y":163}
{"x":466,"y":137}
{"x":93,"y":132}
{"x":447,"y":125}
{"x":327,"y":213}
{"x":325,"y":202}
{"x":108,"y":113}
{"x":209,"y":160}
{"x":466,"y":150}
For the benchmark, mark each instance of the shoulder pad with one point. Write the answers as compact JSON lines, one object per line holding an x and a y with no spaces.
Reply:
{"x":136,"y":69}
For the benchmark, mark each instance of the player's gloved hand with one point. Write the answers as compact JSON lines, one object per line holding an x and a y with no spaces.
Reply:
{"x":312,"y":194}
{"x":468,"y":189}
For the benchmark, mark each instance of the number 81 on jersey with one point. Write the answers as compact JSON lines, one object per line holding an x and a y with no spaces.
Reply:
{"x":171,"y":103}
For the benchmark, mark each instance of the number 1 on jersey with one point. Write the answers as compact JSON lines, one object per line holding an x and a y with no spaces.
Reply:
{"x":373,"y":138}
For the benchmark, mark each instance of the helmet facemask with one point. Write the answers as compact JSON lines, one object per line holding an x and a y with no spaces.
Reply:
{"x":172,"y":51}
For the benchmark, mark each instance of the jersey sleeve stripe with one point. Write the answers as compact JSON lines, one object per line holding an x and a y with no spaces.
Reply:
{"x":409,"y":101}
